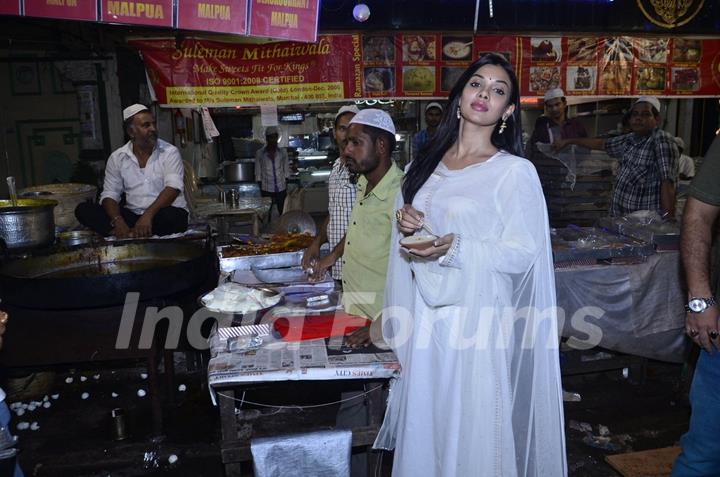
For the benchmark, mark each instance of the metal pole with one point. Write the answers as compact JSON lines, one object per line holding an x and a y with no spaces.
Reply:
{"x":477,"y":14}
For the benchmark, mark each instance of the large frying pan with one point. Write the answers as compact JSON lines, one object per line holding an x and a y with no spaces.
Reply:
{"x":101,"y":276}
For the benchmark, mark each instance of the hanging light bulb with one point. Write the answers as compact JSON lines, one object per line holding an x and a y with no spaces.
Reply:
{"x":361,"y":12}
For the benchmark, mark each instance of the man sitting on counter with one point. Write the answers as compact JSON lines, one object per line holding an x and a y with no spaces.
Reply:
{"x":149,"y":171}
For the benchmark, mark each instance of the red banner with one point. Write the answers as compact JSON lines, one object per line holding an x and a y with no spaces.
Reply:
{"x":223,"y":16}
{"x":145,"y":12}
{"x":66,"y":9}
{"x":226,"y":74}
{"x":10,"y":7}
{"x":422,"y":65}
{"x":289,"y":19}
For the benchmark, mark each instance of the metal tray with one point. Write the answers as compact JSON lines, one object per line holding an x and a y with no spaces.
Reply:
{"x":566,"y":244}
{"x":271,"y":260}
{"x":662,"y":235}
{"x":280,"y":275}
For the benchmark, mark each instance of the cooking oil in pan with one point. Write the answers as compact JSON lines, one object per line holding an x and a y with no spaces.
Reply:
{"x":110,"y":268}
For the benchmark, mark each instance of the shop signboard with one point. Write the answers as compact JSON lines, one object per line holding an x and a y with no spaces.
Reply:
{"x":287,"y":19}
{"x":64,"y":9}
{"x":157,"y":13}
{"x":222,"y":16}
{"x":424,"y":65}
{"x":211,"y":73}
{"x":10,"y":7}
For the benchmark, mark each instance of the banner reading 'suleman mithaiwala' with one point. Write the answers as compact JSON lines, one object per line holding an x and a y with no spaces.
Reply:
{"x":210,"y":73}
{"x":144,"y":12}
{"x":65,"y":9}
{"x":222,"y":16}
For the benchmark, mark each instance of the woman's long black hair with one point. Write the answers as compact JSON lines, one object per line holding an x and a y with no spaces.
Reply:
{"x":447,"y":132}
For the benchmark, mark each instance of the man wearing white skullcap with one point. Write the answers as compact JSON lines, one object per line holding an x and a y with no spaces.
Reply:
{"x":647,"y":174}
{"x":686,"y":164}
{"x":341,"y":196}
{"x":370,"y":143}
{"x":433,"y":115}
{"x":272,"y":170}
{"x":555,"y":122}
{"x":149,"y":173}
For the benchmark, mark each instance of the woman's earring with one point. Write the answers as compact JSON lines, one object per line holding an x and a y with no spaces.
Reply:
{"x":458,"y":112}
{"x":503,"y":126}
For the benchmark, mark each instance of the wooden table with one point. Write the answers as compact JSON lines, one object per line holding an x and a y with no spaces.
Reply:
{"x":230,"y":378}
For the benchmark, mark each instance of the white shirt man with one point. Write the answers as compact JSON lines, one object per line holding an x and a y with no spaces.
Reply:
{"x":272,"y":169}
{"x":149,"y":172}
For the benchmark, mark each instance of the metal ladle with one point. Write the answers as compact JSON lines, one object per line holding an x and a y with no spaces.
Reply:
{"x":11,"y":189}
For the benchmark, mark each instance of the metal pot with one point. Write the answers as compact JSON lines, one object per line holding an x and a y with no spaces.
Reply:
{"x":30,"y":223}
{"x":239,"y":171}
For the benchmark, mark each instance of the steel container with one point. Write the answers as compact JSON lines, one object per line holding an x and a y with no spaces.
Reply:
{"x":28,"y":224}
{"x":239,"y":171}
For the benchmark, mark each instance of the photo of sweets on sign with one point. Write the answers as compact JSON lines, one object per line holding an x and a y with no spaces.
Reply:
{"x":147,"y":12}
{"x":222,"y":16}
{"x":289,"y":19}
{"x":65,"y":9}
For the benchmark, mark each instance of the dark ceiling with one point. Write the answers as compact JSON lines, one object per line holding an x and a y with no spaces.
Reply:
{"x":509,"y":16}
{"x":513,"y":15}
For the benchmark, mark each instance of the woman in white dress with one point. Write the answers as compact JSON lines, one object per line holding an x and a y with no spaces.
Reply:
{"x":472,"y":318}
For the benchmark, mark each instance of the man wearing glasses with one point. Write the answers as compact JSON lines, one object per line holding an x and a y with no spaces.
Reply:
{"x":648,"y":168}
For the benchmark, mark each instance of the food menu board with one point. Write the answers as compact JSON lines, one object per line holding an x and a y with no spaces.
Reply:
{"x":621,"y":66}
{"x":422,"y":65}
{"x":428,"y":65}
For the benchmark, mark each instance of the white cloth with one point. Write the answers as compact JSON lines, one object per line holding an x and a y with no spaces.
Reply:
{"x":476,"y":397}
{"x":325,"y":453}
{"x":143,"y":185}
{"x":272,"y":175}
{"x":686,"y":166}
{"x":341,"y":197}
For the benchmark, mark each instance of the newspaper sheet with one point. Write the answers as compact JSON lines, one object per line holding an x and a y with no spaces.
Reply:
{"x":268,"y":358}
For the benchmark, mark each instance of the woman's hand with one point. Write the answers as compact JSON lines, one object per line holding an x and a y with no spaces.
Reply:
{"x":409,"y":219}
{"x":439,"y":248}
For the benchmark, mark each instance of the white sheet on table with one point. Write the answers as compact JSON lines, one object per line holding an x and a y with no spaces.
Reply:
{"x":325,"y":453}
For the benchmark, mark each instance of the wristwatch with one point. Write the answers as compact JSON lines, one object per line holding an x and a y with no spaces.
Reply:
{"x":699,"y":304}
